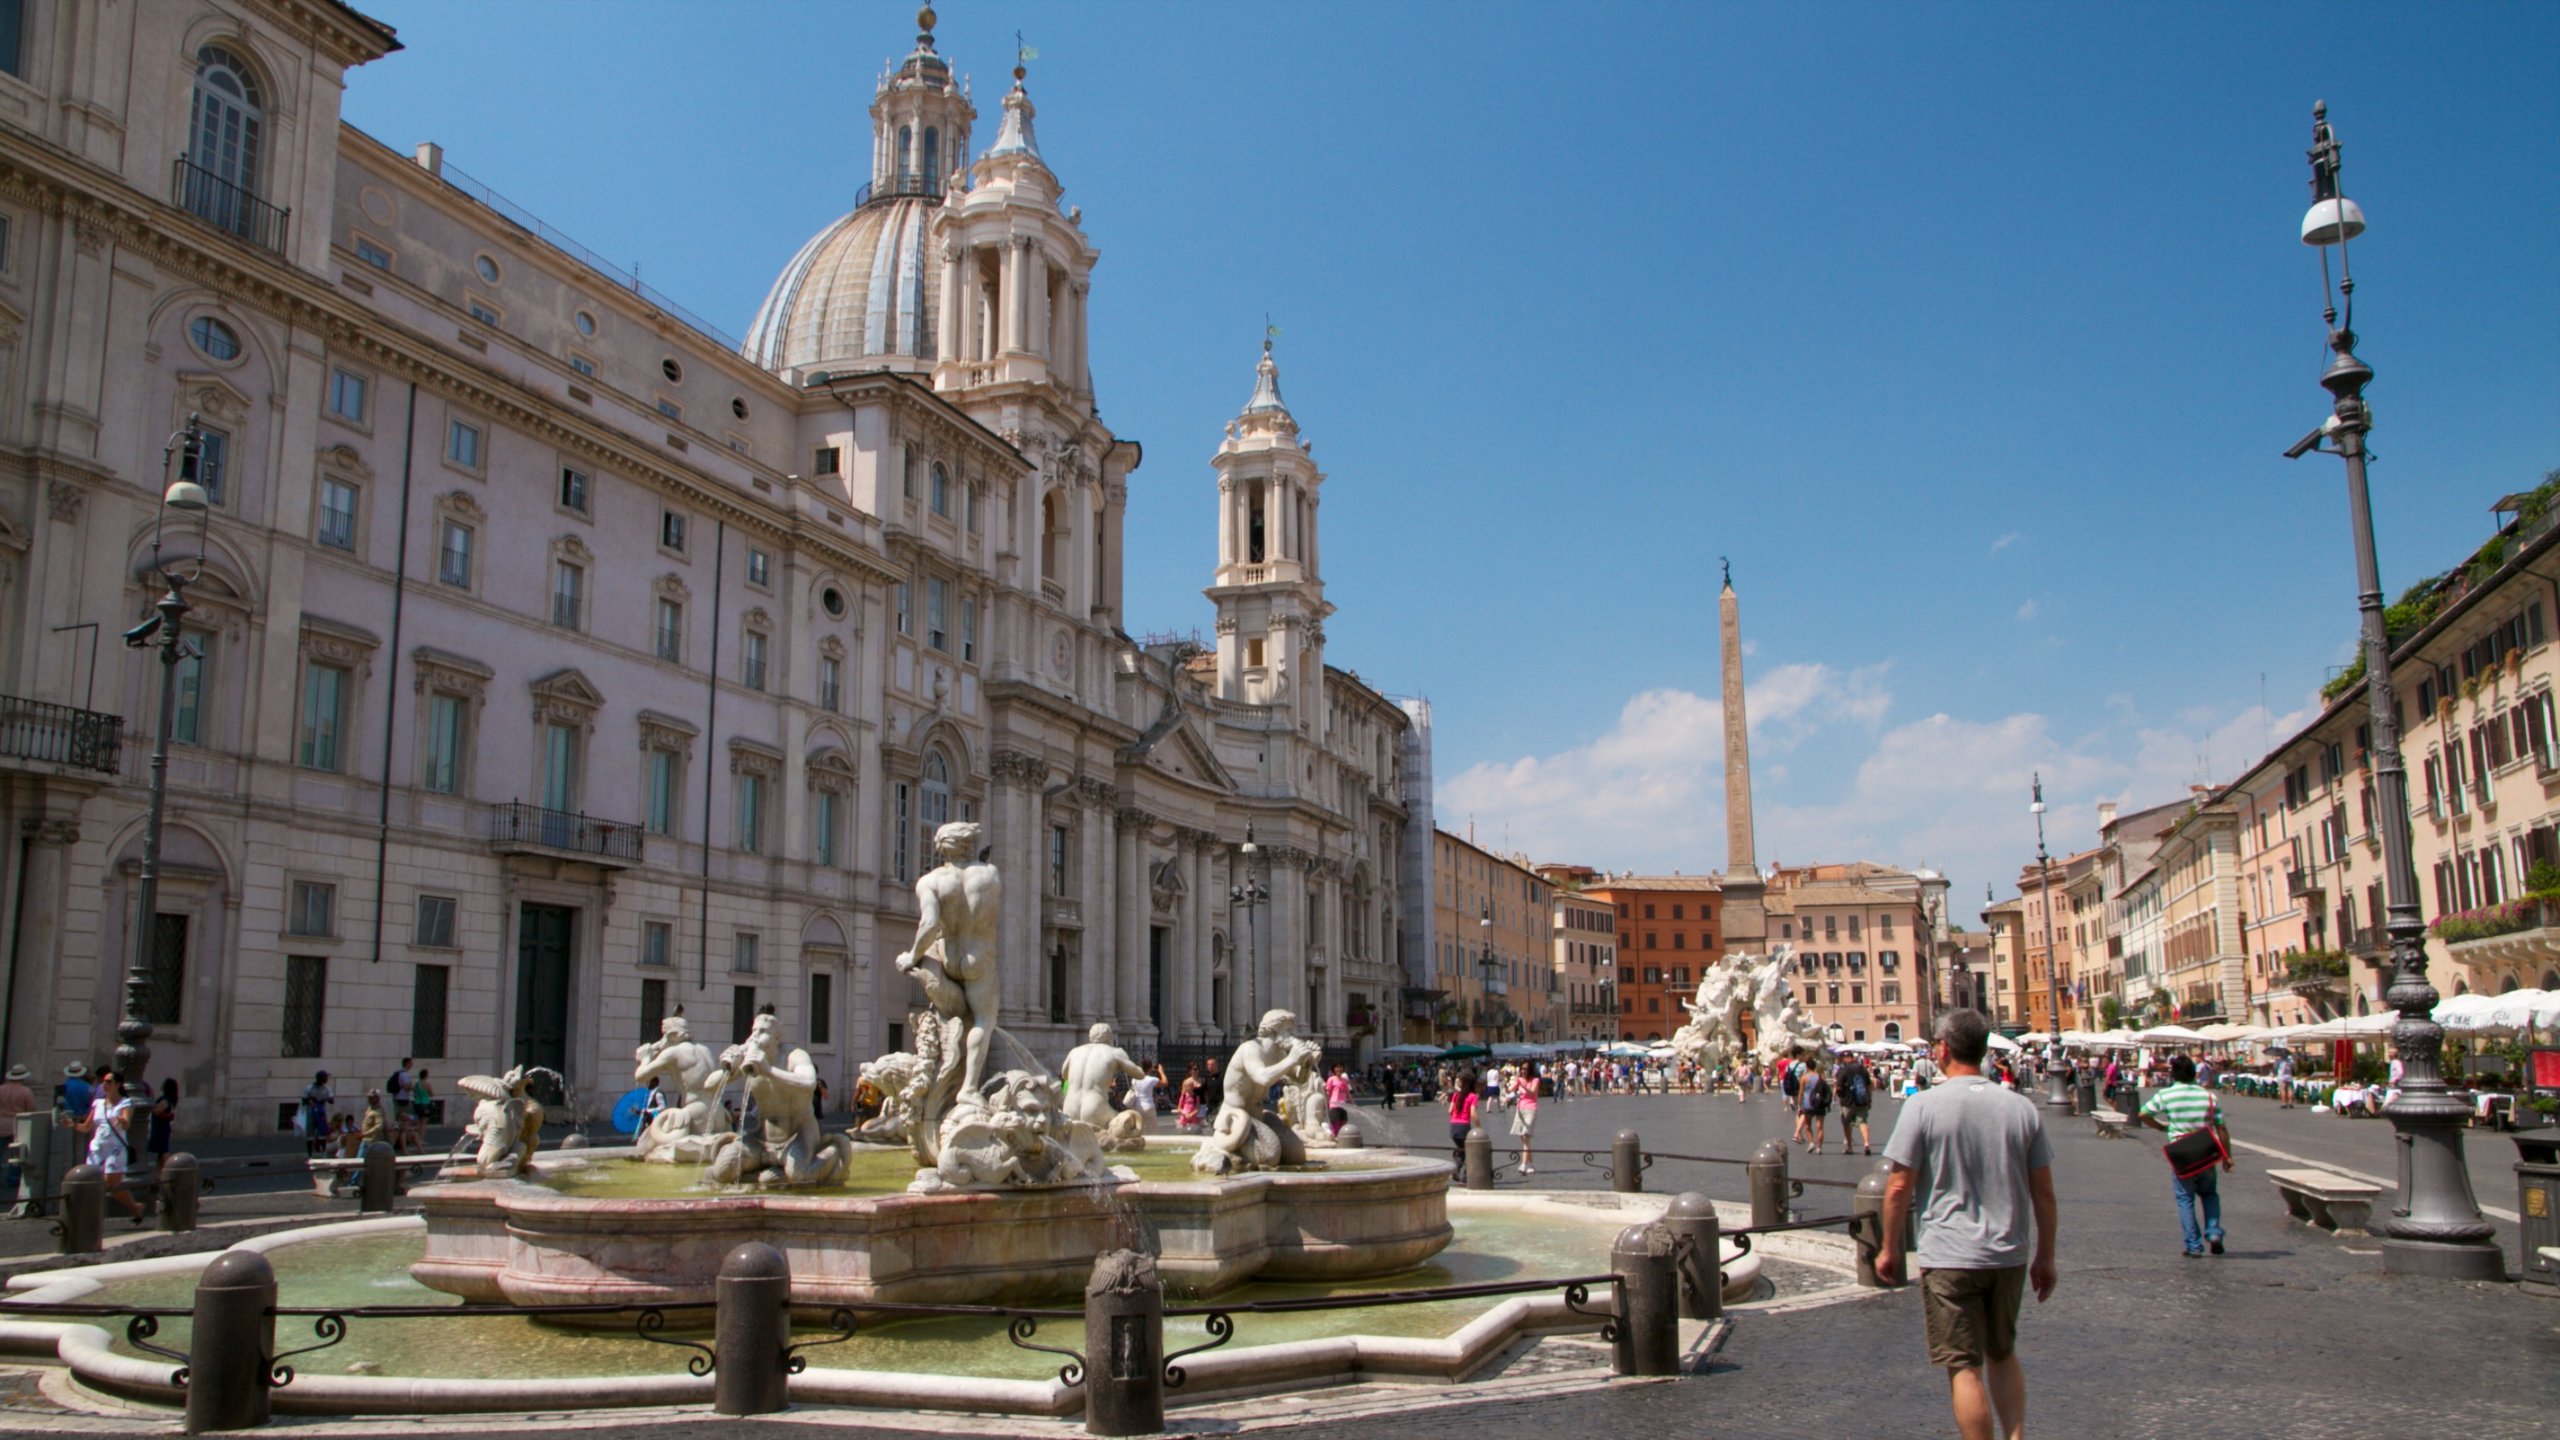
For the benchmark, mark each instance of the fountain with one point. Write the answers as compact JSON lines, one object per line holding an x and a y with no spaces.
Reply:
{"x":1010,"y":1197}
{"x":1759,"y":984}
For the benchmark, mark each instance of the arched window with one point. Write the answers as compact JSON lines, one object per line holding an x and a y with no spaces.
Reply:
{"x":932,"y":167}
{"x":906,"y":152}
{"x":940,"y":495}
{"x":935,"y":811}
{"x":2551,"y":979}
{"x":224,"y":138}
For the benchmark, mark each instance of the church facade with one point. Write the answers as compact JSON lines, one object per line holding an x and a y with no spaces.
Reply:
{"x":557,"y":663}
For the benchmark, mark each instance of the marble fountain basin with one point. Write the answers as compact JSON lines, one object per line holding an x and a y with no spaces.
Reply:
{"x":597,"y":1227}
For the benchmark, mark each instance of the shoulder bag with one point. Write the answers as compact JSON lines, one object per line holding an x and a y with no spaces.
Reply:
{"x":2199,"y":1149}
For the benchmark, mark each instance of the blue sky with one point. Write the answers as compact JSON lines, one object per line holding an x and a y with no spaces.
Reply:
{"x":1973,"y":335}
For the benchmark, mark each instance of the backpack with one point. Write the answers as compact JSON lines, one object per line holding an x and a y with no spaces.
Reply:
{"x":1861,"y":1088}
{"x":1787,"y":1082}
{"x":1817,"y":1099}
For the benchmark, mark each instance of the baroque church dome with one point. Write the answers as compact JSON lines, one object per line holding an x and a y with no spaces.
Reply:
{"x":857,"y":292}
{"x":860,"y":293}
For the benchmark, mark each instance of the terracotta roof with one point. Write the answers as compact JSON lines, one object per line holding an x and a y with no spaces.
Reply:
{"x":1847,"y":895}
{"x":1657,"y":882}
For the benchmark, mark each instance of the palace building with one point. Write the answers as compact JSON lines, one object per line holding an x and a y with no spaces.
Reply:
{"x":556,"y":662}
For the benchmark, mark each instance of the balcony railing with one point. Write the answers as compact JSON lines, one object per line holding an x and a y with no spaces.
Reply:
{"x":60,"y":735}
{"x":928,"y":186}
{"x":225,"y":205}
{"x":520,"y":826}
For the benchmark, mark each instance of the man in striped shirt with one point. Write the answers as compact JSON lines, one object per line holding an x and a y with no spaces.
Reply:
{"x":2182,"y":1109}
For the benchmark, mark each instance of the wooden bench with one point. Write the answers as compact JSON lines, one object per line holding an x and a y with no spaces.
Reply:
{"x":334,"y":1177}
{"x":2111,"y":1124}
{"x":2330,"y":1201}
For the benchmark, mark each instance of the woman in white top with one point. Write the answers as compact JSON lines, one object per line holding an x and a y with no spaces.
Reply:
{"x":1142,"y":1094}
{"x":110,"y":1146}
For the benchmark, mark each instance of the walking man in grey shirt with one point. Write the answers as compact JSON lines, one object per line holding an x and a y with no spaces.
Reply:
{"x":1975,"y":1156}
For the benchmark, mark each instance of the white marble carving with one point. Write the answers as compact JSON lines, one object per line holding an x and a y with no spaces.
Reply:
{"x":687,"y":1131}
{"x":787,"y":1146}
{"x":1241,"y":1140}
{"x":1090,"y":1070}
{"x":507,"y":1122}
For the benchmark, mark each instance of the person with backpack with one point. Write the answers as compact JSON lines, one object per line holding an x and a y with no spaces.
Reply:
{"x":1813,"y":1102}
{"x":1856,"y":1087}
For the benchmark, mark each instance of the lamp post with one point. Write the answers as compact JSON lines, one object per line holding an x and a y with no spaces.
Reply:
{"x":2054,"y":1093}
{"x":1252,"y":893}
{"x":1486,"y":965}
{"x":2436,"y":1229}
{"x":167,"y":629}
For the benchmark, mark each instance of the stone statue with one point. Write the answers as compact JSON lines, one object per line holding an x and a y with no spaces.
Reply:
{"x":507,"y":1122}
{"x":1779,"y":1024}
{"x":1240,"y":1140}
{"x":954,"y":959}
{"x":1090,"y":1069}
{"x":901,"y":1079}
{"x":685,"y":1132}
{"x":1015,"y":1135}
{"x":787,"y":1147}
{"x":1302,"y":1109}
{"x":1713,"y":1034}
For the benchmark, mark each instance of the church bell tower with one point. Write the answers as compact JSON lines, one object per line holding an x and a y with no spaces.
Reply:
{"x":1269,"y":588}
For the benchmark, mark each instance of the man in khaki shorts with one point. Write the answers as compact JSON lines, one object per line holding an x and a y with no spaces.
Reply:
{"x":1975,"y":1155}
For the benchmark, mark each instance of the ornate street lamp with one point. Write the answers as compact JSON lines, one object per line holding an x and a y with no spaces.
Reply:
{"x":1487,"y":966}
{"x":167,"y":629}
{"x":2436,"y":1229}
{"x":2056,"y":1091}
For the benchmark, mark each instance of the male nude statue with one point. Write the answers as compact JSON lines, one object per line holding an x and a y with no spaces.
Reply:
{"x":1275,"y":1055}
{"x":1091,"y":1067}
{"x":954,"y":955}
{"x":687,"y":1129}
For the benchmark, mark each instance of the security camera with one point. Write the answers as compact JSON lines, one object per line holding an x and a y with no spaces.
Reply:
{"x":140,"y":635}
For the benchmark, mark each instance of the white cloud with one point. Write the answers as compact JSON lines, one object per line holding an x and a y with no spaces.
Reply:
{"x":1835,"y":782}
{"x":2027,"y":611}
{"x":2004,"y":542}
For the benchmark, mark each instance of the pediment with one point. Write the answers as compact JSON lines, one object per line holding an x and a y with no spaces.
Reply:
{"x":568,"y":687}
{"x":1184,"y":754}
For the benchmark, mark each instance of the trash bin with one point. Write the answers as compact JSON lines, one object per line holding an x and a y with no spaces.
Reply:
{"x":2538,"y":1205}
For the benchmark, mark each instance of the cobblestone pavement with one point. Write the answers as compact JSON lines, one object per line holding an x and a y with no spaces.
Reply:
{"x":2291,"y":1334}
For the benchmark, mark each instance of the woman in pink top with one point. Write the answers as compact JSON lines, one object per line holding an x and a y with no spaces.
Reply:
{"x":1462,"y":1115}
{"x":1337,"y":1101}
{"x":1524,"y":1110}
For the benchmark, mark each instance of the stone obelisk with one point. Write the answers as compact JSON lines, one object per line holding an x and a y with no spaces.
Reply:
{"x":1746,"y":916}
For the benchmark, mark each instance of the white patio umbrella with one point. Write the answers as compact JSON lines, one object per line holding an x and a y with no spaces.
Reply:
{"x":2471,"y":1015}
{"x":2224,"y":1030}
{"x":2002,"y":1042}
{"x":2524,"y":1009}
{"x":2170,"y":1035}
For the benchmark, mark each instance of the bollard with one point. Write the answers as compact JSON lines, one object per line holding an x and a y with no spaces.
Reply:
{"x":2088,"y":1093}
{"x":84,"y":1209}
{"x":1124,"y":1345}
{"x":179,"y":1184}
{"x":1866,"y":1224}
{"x":1648,"y":1340}
{"x":751,"y":1331}
{"x":1626,"y":1163}
{"x":233,"y":1343}
{"x":1692,"y":1218}
{"x":379,"y":1181}
{"x":1479,"y":1158}
{"x":1768,"y":1169}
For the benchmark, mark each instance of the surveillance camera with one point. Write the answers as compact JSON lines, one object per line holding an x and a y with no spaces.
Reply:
{"x":140,"y":635}
{"x":2310,"y":442}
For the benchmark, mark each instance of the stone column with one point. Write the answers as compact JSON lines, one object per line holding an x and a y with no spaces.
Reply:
{"x":42,"y":900}
{"x":1191,"y":944}
{"x":1009,"y":300}
{"x":1038,"y":324}
{"x":1137,"y":912}
{"x":953,"y":326}
{"x":1094,"y":944}
{"x":1078,"y":294}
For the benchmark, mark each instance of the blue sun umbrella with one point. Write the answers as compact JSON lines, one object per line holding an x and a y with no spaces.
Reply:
{"x":631,"y":1109}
